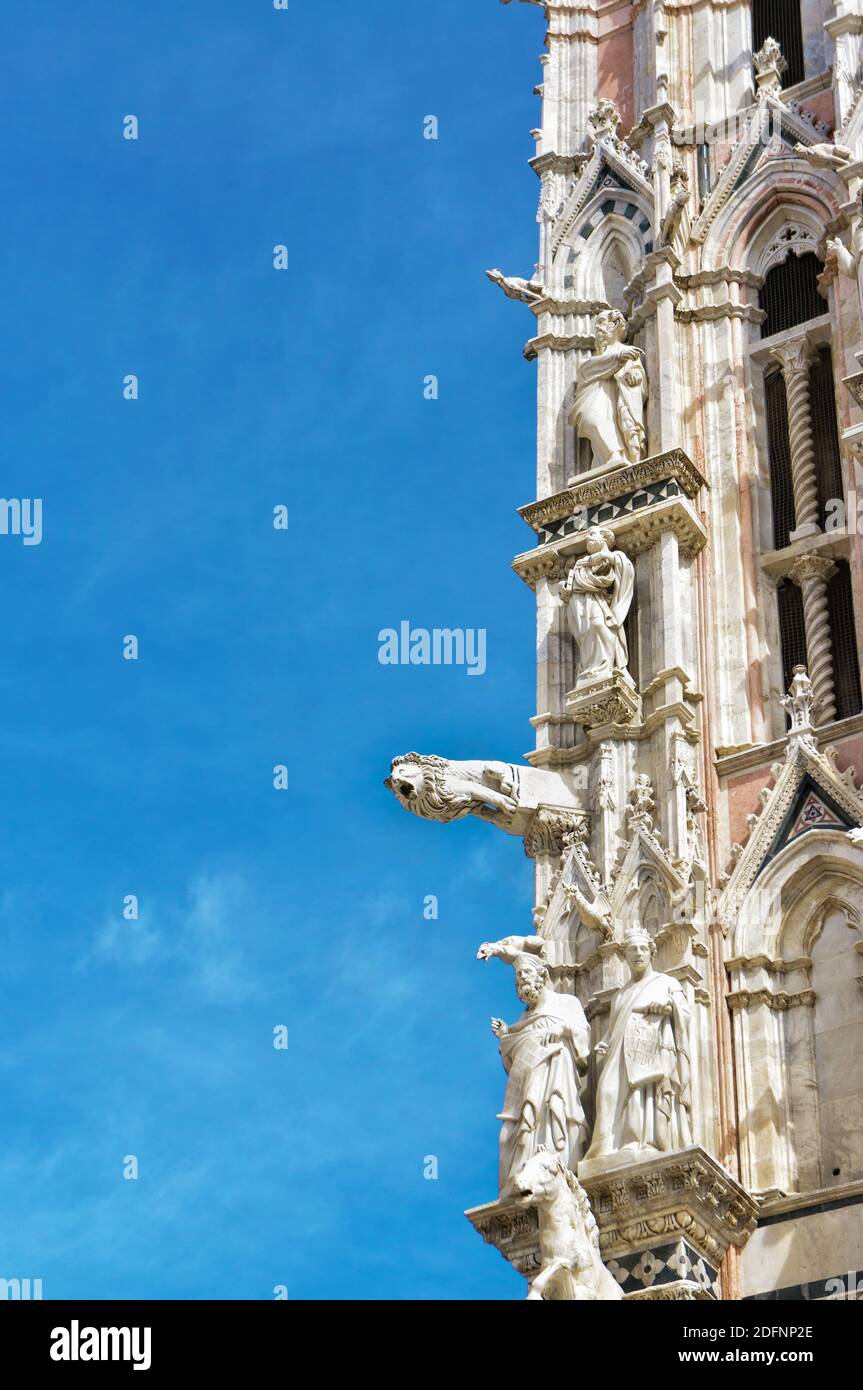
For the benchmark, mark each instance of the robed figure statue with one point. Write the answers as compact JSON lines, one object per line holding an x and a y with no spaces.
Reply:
{"x":598,"y":593}
{"x":643,"y":1097}
{"x":608,"y":407}
{"x":545,"y":1057}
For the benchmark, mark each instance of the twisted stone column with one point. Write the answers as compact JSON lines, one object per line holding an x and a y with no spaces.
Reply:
{"x":796,"y":358}
{"x":812,"y":572}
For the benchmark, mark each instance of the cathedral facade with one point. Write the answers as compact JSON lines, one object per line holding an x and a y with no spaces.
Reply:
{"x":687,"y":1074}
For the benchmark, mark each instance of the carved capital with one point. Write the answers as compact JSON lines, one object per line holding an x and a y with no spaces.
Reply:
{"x":810,"y":567}
{"x":794,"y":357}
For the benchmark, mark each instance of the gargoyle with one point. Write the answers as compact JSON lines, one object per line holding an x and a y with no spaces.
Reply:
{"x":504,"y":794}
{"x":528,"y":291}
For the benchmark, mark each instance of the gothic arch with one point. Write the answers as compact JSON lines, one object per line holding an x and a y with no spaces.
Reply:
{"x":797,"y":193}
{"x":613,"y":237}
{"x":775,"y":1005}
{"x":818,"y":866}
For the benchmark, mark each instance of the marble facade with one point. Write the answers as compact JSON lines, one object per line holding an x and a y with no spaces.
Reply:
{"x":697,"y":790}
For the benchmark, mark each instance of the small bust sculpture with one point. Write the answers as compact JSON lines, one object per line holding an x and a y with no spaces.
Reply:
{"x":643,"y":1093}
{"x":610,"y":393}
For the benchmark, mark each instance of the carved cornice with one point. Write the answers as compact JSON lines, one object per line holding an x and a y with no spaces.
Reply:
{"x":618,"y":483}
{"x":634,"y":533}
{"x":725,"y":276}
{"x":714,"y":313}
{"x":686,"y":1195}
{"x":513,"y":1229}
{"x":773,"y":967}
{"x":779,"y":1001}
{"x":553,"y":342}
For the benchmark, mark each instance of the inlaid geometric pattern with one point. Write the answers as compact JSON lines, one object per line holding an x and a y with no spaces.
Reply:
{"x":811,"y":809}
{"x":623,"y":209}
{"x":604,"y":512}
{"x":664,"y":1264}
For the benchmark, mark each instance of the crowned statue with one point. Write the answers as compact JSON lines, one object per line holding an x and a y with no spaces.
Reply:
{"x":643,"y":1102}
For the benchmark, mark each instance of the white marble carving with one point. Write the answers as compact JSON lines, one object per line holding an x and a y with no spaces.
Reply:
{"x":514,"y":287}
{"x":610,"y":394}
{"x":505,"y":794}
{"x":571,"y":1267}
{"x":598,"y":593}
{"x":643,"y":1094}
{"x":545,"y":1057}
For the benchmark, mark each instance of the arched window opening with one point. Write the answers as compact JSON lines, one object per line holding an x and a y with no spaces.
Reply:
{"x":790,"y":295}
{"x":781,"y":20}
{"x":779,"y":458}
{"x":846,"y":668}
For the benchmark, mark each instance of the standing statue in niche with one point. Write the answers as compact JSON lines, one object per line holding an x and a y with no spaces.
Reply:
{"x":643,"y":1100}
{"x":610,"y":394}
{"x":598,"y":593}
{"x":545,"y":1057}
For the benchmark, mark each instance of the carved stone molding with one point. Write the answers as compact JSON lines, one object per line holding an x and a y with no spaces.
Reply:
{"x":511,"y":1228}
{"x":619,"y":483}
{"x":551,"y":831}
{"x":613,"y":701}
{"x":684,"y":1195}
{"x":779,"y":1002}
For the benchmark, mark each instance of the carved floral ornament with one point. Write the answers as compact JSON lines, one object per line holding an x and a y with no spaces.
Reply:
{"x":793,"y":238}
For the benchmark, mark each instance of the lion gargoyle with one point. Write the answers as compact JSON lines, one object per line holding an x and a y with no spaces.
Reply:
{"x":504,"y":794}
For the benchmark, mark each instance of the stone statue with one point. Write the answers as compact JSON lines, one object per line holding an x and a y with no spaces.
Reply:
{"x":504,"y":794}
{"x":545,"y":1057}
{"x":514,"y":287}
{"x":571,"y":1266}
{"x":610,"y":394}
{"x":598,"y":591}
{"x":643,"y":1094}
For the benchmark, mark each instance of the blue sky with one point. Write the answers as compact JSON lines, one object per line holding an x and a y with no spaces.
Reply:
{"x":258,"y":908}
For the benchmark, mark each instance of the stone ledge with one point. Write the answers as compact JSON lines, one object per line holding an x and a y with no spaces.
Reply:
{"x":686,"y":1194}
{"x":598,"y":487}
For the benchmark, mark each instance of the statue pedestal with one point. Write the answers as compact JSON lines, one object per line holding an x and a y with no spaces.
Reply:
{"x":512,"y":1228}
{"x":665,"y":1222}
{"x":614,"y":700}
